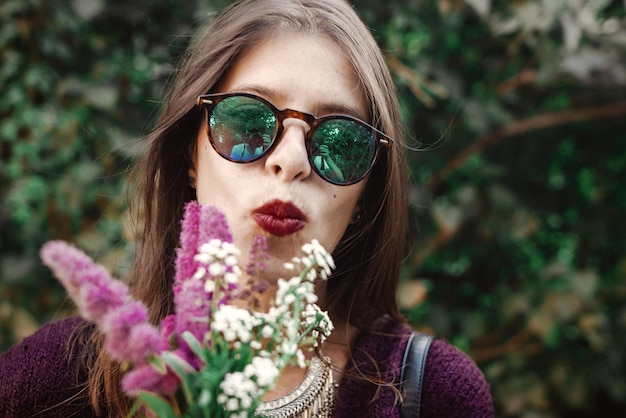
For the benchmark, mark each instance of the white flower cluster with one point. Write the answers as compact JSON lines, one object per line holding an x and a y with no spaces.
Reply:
{"x":240,"y":389}
{"x":238,"y":392}
{"x":263,"y":369}
{"x":217,"y":259}
{"x":294,"y":315}
{"x":235,"y":324}
{"x":314,"y":315}
{"x":318,"y":255}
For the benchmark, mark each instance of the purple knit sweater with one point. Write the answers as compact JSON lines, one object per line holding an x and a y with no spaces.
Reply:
{"x":39,"y":378}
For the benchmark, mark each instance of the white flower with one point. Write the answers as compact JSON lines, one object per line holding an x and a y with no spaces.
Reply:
{"x":310,"y":297}
{"x":320,"y":256}
{"x":234,"y":323}
{"x":312,"y":275}
{"x":307,"y":262}
{"x":238,"y":391}
{"x":230,"y":260}
{"x":288,"y":347}
{"x":300,"y":360}
{"x":267,"y":331}
{"x":276,"y":312}
{"x":289,"y":299}
{"x":203,"y":258}
{"x":216,"y":269}
{"x":209,"y":286}
{"x":217,"y":259}
{"x":199,"y":274}
{"x":231,"y":277}
{"x":309,"y":315}
{"x":232,"y":404}
{"x":263,"y":369}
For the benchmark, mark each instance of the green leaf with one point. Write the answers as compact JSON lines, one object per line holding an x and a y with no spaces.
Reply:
{"x":194,"y":344}
{"x":156,"y":403}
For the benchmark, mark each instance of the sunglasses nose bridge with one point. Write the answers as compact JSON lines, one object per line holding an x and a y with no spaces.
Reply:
{"x":307,"y":118}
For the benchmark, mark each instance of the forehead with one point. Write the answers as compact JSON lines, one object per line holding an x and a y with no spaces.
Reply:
{"x":307,"y":72}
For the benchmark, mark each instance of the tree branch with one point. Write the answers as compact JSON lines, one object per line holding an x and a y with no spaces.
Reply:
{"x":535,"y":123}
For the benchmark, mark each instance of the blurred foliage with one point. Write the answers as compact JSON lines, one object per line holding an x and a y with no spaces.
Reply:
{"x":518,"y":108}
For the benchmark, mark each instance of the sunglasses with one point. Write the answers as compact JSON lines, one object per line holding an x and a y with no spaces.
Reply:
{"x":244,"y":127}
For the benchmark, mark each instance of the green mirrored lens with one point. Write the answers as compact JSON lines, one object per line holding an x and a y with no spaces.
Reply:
{"x":342,"y":150}
{"x":242,"y":128}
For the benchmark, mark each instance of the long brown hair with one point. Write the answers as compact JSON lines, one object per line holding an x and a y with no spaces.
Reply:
{"x":370,"y":252}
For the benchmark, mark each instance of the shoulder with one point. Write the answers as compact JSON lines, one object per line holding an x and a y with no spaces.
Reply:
{"x":367,"y":388}
{"x":453,"y":385}
{"x":41,"y":373}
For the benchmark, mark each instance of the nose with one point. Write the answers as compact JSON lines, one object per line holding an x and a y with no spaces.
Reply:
{"x":288,"y":160}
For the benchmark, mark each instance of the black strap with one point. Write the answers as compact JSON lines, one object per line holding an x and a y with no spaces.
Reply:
{"x":412,"y":374}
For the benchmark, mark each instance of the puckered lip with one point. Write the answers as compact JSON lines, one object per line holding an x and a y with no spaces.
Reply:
{"x":279,"y":218}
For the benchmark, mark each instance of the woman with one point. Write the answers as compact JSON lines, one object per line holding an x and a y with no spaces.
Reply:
{"x":312,"y":57}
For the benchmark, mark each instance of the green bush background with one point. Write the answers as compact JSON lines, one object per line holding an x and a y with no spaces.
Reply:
{"x":517,"y":253}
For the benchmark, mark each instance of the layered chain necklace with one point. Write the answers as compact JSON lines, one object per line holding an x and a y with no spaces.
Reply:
{"x":313,"y":398}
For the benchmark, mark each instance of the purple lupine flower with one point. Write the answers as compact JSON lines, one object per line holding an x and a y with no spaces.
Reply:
{"x":257,"y":256}
{"x":148,"y":378}
{"x":90,"y":286}
{"x":100,"y":294}
{"x":106,"y":301}
{"x":200,"y":224}
{"x":185,"y":264}
{"x":213,"y":225}
{"x":193,"y":308}
{"x":128,"y":336}
{"x":168,"y":327}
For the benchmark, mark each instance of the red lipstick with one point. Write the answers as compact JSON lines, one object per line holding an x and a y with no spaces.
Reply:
{"x":279,"y":218}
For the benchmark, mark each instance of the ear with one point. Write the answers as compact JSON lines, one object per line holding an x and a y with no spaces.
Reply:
{"x":193,"y":175}
{"x":356,"y":214}
{"x":193,"y":160}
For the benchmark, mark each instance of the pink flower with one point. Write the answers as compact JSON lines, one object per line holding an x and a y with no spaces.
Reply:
{"x":193,"y":305}
{"x":100,"y":294}
{"x":104,"y":300}
{"x":200,"y":224}
{"x":168,"y":327}
{"x":128,"y":336}
{"x":258,"y":253}
{"x":90,"y":286}
{"x":150,"y":379}
{"x":193,"y":309}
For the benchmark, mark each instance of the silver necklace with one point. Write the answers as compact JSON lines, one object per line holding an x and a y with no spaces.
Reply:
{"x":313,"y":398}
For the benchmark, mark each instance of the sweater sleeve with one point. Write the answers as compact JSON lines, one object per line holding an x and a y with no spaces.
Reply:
{"x":453,"y":385}
{"x":39,"y":377}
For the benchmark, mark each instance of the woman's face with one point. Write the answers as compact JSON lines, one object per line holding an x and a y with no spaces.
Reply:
{"x":279,"y":195}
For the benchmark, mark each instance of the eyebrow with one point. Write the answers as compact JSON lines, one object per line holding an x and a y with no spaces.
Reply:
{"x":320,"y":109}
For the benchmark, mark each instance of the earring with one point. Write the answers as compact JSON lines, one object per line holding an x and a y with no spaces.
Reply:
{"x":192,"y":177}
{"x":356,"y":217}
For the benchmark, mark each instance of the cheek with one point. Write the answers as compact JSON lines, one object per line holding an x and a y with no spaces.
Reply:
{"x":339,"y":215}
{"x":207,"y":173}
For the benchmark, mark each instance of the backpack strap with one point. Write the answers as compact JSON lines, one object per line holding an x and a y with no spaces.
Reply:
{"x":412,"y":373}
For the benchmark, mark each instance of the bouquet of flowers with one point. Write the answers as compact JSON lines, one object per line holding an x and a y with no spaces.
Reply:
{"x":211,"y":358}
